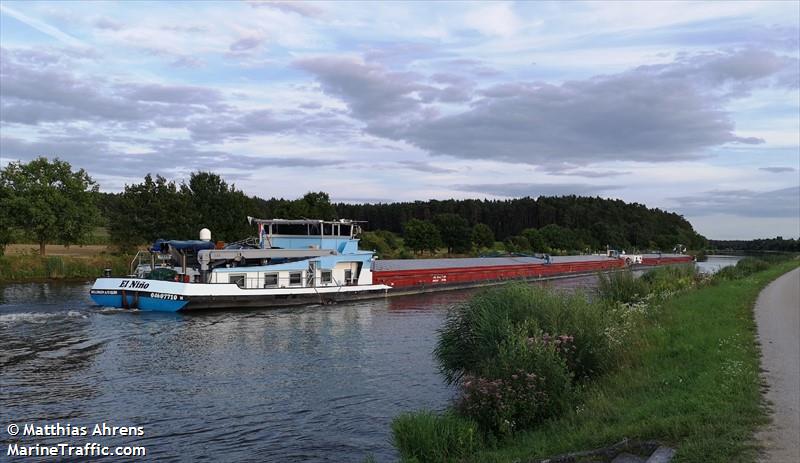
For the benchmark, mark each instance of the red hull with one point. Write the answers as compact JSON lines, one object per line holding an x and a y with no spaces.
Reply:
{"x":477,"y":275}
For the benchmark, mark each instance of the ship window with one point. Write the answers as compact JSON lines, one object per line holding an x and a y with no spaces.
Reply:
{"x":295,"y":278}
{"x":238,"y":279}
{"x":270,"y":280}
{"x":348,"y":276}
{"x":326,"y":276}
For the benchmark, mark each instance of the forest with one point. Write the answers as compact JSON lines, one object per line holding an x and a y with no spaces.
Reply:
{"x":50,"y":203}
{"x":768,"y":244}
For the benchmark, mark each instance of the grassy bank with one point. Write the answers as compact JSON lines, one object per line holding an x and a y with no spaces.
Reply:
{"x":32,"y":267}
{"x":689,"y":377}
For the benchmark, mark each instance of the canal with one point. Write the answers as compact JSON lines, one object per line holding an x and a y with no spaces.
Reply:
{"x":303,"y":384}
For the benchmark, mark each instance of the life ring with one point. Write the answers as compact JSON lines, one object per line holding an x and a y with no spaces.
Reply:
{"x":628,"y":261}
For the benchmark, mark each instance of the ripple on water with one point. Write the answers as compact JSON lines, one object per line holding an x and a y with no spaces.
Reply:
{"x":304,"y":384}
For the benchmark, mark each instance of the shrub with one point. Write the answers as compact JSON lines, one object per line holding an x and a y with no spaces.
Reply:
{"x":670,"y":278}
{"x":527,"y":383}
{"x":621,"y":287}
{"x":425,"y":436}
{"x":474,"y":332}
{"x":743,"y":268}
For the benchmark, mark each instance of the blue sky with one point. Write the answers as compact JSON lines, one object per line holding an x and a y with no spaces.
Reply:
{"x":692,"y":107}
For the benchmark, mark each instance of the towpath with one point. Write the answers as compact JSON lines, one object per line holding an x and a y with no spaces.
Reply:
{"x":778,"y":319}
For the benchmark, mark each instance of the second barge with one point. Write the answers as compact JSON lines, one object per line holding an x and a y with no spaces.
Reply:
{"x":301,"y":262}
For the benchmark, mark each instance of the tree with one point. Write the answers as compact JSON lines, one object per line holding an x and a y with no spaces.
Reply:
{"x":454,"y":232}
{"x":221,"y":208}
{"x":313,"y":205}
{"x":559,"y":238}
{"x":149,"y":210}
{"x":50,"y":202}
{"x":421,"y":235}
{"x":6,"y":223}
{"x":535,"y":240}
{"x":482,"y":236}
{"x":383,"y":242}
{"x":517,"y":244}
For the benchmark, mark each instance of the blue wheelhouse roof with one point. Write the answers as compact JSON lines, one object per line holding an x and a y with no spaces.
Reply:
{"x":182,"y":245}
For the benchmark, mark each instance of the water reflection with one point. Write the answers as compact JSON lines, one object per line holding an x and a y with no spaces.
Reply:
{"x":714,"y":263}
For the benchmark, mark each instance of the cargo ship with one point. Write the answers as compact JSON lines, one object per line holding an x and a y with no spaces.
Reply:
{"x":303,"y":262}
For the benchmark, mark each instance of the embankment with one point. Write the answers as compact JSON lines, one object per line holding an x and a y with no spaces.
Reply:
{"x":690,"y":380}
{"x":33,"y":267}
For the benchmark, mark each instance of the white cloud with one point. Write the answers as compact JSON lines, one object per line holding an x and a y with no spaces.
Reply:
{"x":493,"y":19}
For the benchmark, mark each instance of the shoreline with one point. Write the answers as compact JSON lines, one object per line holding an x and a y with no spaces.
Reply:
{"x":26,"y":268}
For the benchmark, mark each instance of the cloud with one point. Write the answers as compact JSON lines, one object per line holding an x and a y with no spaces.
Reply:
{"x":589,"y":173}
{"x":493,"y":19}
{"x":777,"y":169}
{"x":180,"y":94}
{"x":306,"y":9}
{"x":241,"y":125}
{"x":372,"y":92}
{"x":99,"y":154}
{"x":246,"y":44}
{"x":107,"y":23}
{"x":784,"y":202}
{"x":658,"y":113}
{"x":41,"y":87}
{"x":422,"y":166}
{"x":517,"y":190}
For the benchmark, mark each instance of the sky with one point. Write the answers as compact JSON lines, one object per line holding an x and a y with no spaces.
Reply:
{"x":692,"y":107}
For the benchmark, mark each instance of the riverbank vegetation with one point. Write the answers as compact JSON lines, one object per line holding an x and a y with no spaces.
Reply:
{"x":670,"y":356}
{"x":49,"y":202}
{"x":777,"y":244}
{"x":33,"y":266}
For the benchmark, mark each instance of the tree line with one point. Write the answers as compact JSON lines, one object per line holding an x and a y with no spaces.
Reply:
{"x":768,"y":244}
{"x":51,"y":203}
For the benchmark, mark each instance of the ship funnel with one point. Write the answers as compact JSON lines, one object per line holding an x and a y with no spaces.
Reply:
{"x":205,"y":234}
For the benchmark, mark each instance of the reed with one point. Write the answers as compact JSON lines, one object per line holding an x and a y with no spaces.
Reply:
{"x":30,"y":267}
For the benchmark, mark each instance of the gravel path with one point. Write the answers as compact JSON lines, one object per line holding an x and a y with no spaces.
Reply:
{"x":778,"y":319}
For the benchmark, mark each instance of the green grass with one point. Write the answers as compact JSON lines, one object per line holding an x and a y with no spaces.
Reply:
{"x":27,"y":267}
{"x":435,"y":437}
{"x":694,"y":384}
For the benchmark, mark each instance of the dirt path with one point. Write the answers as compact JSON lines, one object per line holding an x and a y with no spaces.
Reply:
{"x":778,"y":319}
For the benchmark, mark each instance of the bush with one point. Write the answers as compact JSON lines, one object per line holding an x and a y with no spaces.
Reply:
{"x":528,"y":382}
{"x":425,"y":436}
{"x":743,"y":268}
{"x":622,"y":287}
{"x":474,"y":332}
{"x":670,"y":278}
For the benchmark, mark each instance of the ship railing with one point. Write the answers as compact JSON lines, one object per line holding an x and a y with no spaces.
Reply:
{"x":136,"y":262}
{"x":284,"y":283}
{"x":144,"y":262}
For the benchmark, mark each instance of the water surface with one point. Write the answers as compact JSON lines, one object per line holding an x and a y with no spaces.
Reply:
{"x":318,"y":383}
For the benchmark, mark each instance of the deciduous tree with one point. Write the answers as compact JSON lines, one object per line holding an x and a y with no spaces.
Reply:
{"x":49,"y":201}
{"x":482,"y":236}
{"x":421,"y":235}
{"x":144,"y":212}
{"x":454,"y":231}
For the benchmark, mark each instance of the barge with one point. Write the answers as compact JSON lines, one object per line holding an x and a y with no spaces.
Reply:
{"x":302,"y":262}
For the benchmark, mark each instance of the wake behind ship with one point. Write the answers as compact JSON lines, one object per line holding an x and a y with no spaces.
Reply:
{"x":302,"y":262}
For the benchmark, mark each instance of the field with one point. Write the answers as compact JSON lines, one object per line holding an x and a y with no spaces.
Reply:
{"x":88,"y":250}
